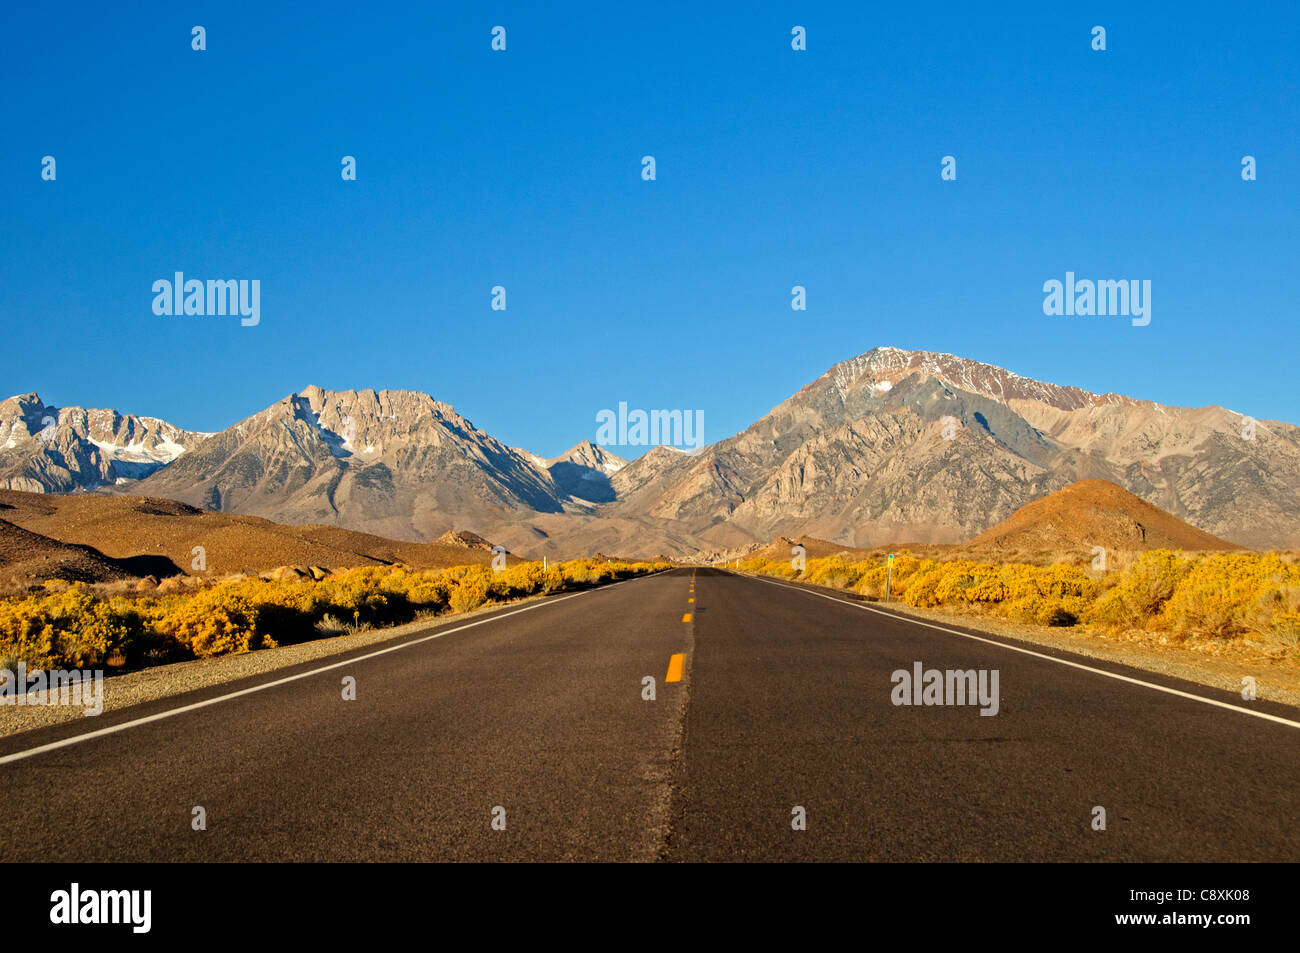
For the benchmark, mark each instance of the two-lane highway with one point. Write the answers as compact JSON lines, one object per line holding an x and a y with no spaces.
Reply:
{"x":769,"y":732}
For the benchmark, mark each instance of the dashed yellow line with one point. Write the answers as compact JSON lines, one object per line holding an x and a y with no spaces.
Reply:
{"x":675,"y":667}
{"x":687,"y":617}
{"x":692,"y":599}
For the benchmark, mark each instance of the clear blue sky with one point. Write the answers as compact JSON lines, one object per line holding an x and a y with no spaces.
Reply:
{"x":522,"y":168}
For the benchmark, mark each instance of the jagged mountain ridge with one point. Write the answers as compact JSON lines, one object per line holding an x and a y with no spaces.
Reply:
{"x":584,"y":472}
{"x":63,"y":449}
{"x":394,"y":463}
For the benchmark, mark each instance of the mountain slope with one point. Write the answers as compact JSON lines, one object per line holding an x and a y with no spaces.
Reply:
{"x":29,"y":559}
{"x":585,"y":471}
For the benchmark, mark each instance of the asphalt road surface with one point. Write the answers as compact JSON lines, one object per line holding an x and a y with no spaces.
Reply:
{"x":527,"y":735}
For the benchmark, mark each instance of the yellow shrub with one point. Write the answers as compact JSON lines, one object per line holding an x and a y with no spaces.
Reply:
{"x":521,"y":579}
{"x":1141,"y":591}
{"x":67,"y":628}
{"x":1221,"y":594}
{"x":922,"y":590}
{"x":470,"y":592}
{"x":430,"y":591}
{"x":553,"y":579}
{"x":70,"y":625}
{"x":217,"y":621}
{"x":834,"y":571}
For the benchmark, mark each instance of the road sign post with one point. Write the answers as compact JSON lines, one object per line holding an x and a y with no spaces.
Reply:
{"x":889,"y":575}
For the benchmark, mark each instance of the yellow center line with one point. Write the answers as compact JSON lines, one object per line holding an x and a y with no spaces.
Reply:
{"x":675,"y":668}
{"x":687,"y":617}
{"x":690,"y":600}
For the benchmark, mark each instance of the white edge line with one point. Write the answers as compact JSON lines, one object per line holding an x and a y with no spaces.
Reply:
{"x":1051,"y":658}
{"x":159,"y":716}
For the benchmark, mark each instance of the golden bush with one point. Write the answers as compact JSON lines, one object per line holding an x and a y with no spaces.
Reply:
{"x":71,"y":625}
{"x":217,"y":621}
{"x":66,"y":628}
{"x":1141,"y":591}
{"x":1221,"y":595}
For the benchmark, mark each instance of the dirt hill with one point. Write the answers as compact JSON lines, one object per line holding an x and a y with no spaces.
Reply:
{"x":1093,"y":513}
{"x":29,"y":559}
{"x":462,"y":539}
{"x":780,"y":549}
{"x":144,"y":536}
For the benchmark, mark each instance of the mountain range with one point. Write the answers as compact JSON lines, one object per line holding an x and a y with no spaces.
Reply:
{"x":47,"y":449}
{"x":890,"y":446}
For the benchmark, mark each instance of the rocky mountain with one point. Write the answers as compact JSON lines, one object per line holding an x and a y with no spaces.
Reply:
{"x":910,"y":445}
{"x":585,"y":472}
{"x":394,"y":463}
{"x":46,"y":449}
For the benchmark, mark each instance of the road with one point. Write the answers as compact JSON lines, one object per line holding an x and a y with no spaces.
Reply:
{"x":535,"y":718}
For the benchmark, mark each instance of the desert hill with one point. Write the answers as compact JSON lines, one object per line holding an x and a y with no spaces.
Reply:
{"x":462,"y":539}
{"x":780,"y":549}
{"x":143,"y":536}
{"x":28,"y":559}
{"x":1093,"y":513}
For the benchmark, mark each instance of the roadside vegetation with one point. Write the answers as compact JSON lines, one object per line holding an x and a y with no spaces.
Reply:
{"x":73,"y":625}
{"x":1228,"y":596}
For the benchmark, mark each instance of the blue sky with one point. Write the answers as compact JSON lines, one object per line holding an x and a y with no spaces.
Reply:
{"x":522,"y":169}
